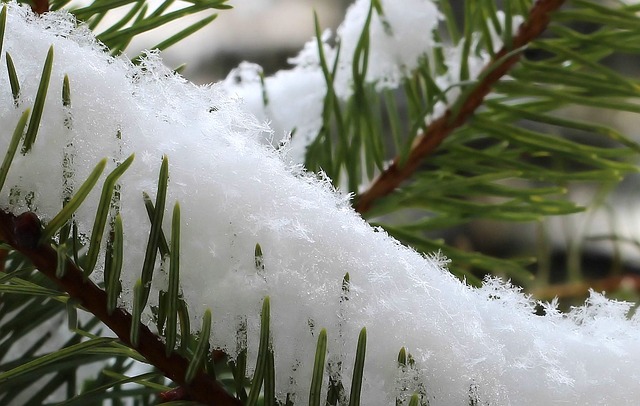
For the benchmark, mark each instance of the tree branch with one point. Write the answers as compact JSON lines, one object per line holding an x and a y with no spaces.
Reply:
{"x":438,"y":130}
{"x":40,"y":6}
{"x":23,"y":234}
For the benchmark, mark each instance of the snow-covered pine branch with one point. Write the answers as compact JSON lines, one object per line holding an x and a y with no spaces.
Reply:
{"x":236,"y":192}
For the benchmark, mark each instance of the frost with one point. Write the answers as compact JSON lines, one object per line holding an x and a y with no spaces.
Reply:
{"x":236,"y":192}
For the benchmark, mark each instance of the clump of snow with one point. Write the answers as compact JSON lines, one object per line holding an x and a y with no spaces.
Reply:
{"x":235,"y":192}
{"x":399,"y":38}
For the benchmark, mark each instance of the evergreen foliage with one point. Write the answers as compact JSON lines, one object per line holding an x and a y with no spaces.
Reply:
{"x":492,"y":154}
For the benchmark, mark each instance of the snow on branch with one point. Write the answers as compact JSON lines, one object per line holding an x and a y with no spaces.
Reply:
{"x":402,"y":34}
{"x":235,"y":192}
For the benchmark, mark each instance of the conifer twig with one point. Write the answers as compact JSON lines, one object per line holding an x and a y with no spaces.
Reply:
{"x":394,"y":175}
{"x":23,"y":234}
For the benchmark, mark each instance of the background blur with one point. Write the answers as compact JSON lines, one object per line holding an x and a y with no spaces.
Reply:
{"x":266,"y":32}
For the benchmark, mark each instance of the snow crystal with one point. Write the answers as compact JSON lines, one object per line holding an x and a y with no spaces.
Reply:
{"x":235,"y":192}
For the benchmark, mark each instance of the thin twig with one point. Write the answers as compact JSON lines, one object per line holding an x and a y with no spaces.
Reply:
{"x":23,"y":234}
{"x":438,"y":130}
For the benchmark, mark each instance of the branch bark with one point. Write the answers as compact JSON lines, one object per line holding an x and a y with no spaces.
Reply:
{"x":438,"y":130}
{"x":23,"y":233}
{"x":40,"y":6}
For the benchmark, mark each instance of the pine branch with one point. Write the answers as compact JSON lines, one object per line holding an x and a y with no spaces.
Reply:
{"x":23,"y":234}
{"x":438,"y":130}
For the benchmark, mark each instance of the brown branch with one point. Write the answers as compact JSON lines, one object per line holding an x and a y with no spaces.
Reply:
{"x":23,"y":233}
{"x":40,"y":6}
{"x":438,"y":130}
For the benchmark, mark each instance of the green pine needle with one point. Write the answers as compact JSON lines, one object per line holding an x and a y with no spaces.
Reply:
{"x":148,"y":204}
{"x":171,"y":299}
{"x":3,"y":24}
{"x":66,"y":92}
{"x":102,"y":214}
{"x":402,"y":357}
{"x":38,"y":106}
{"x":156,"y":229}
{"x":53,"y":358}
{"x":112,"y":284}
{"x":65,"y":214}
{"x":239,"y":370}
{"x":13,"y":146}
{"x":174,"y":39}
{"x":259,"y":260}
{"x":261,"y":361}
{"x":14,"y":82}
{"x":185,"y":328}
{"x":415,"y":400}
{"x":318,"y":369}
{"x":358,"y":369}
{"x":270,"y":381}
{"x":202,"y":348}
{"x":136,"y":314}
{"x":72,"y":314}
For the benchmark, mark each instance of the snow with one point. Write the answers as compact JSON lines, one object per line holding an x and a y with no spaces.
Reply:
{"x":234,"y":192}
{"x":397,"y":50}
{"x":400,"y":36}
